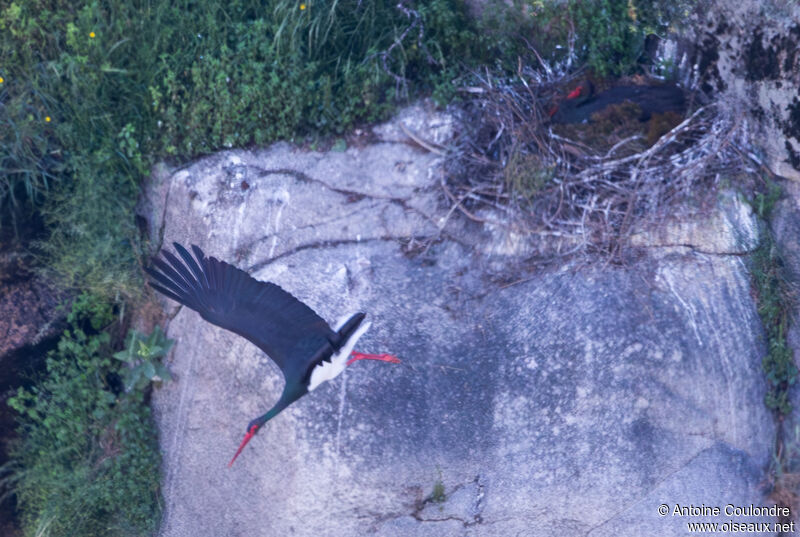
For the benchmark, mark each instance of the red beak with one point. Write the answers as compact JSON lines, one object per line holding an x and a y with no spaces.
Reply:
{"x":250,"y":434}
{"x":575,"y":93}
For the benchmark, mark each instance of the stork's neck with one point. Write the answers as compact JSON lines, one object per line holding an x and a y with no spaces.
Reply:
{"x":291,"y":393}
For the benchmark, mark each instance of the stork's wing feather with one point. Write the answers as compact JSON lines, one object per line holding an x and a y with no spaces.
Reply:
{"x":278,"y":323}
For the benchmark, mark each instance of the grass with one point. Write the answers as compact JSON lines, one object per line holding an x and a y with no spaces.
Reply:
{"x":438,"y":494}
{"x":87,"y":459}
{"x":92,"y":94}
{"x":774,"y":299}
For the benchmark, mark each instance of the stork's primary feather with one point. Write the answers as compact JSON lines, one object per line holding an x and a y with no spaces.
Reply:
{"x":299,"y":341}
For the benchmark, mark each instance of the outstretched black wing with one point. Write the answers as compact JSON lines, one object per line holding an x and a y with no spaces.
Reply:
{"x":228,"y":297}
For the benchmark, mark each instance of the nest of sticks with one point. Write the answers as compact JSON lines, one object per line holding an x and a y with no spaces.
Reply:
{"x":510,"y":166}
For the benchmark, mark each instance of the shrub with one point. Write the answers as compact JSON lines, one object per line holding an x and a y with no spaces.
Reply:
{"x":87,"y":459}
{"x":608,"y":35}
{"x":93,"y":93}
{"x":775,"y":302}
{"x":142,"y":354}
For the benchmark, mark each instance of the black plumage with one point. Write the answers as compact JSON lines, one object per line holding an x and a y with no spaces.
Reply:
{"x":298,"y":340}
{"x":271,"y":318}
{"x":651,"y":99}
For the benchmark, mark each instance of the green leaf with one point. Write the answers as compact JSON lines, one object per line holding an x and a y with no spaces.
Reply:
{"x":125,"y":356}
{"x":163,"y":373}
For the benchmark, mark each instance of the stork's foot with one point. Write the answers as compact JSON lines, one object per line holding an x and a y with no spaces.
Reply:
{"x":355,"y":356}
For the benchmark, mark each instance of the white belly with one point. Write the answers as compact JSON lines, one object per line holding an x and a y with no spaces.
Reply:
{"x":330,"y":370}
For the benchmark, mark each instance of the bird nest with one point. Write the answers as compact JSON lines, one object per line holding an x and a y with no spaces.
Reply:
{"x":587,"y":187}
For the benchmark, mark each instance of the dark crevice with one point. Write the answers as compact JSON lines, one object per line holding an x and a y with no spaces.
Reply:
{"x":334,"y":243}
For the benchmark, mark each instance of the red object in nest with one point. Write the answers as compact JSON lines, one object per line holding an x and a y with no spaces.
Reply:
{"x":582,"y":102}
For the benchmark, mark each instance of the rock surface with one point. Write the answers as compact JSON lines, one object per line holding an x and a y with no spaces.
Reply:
{"x":28,"y":306}
{"x":30,"y":319}
{"x":28,"y":315}
{"x":747,"y":53}
{"x":580,"y":400}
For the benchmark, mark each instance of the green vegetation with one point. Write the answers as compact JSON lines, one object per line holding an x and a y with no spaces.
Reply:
{"x":438,"y":494}
{"x":774,"y":308}
{"x":613,"y":32}
{"x":93,"y":93}
{"x":252,"y":75}
{"x":609,"y":35}
{"x":142,"y":354}
{"x":774,"y":299}
{"x":87,"y":459}
{"x":775,"y":302}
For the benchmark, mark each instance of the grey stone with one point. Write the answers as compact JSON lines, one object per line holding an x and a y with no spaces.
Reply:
{"x":569,"y":402}
{"x":745,"y":55}
{"x":29,"y":307}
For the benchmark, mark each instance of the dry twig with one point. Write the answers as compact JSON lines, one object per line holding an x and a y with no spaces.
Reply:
{"x":508,"y":156}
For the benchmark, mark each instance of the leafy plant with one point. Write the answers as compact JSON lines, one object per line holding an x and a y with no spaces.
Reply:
{"x":610,"y":39}
{"x":86,"y":462}
{"x":608,"y":36}
{"x":773,"y":297}
{"x":764,"y":201}
{"x":774,"y":300}
{"x":438,"y":494}
{"x":92,"y":310}
{"x":142,"y":354}
{"x":91,"y":94}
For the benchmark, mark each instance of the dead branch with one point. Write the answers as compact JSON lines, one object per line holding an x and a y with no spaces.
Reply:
{"x":508,"y":159}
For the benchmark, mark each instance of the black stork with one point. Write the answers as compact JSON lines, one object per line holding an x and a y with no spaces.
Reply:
{"x":582,"y":102}
{"x":299,"y":341}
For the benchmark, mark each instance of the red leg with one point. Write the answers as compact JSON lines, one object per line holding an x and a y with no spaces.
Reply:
{"x":382,"y":357}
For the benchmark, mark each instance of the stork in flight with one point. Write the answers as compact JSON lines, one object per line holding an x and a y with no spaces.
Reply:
{"x":299,"y":341}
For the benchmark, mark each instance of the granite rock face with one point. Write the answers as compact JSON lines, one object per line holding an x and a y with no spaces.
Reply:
{"x":746,"y":54}
{"x":29,"y":310}
{"x":579,"y":400}
{"x":28,"y":314}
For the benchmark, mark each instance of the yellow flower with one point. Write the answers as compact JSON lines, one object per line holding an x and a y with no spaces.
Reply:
{"x":302,"y":7}
{"x":2,"y":79}
{"x":47,"y":119}
{"x":91,"y":34}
